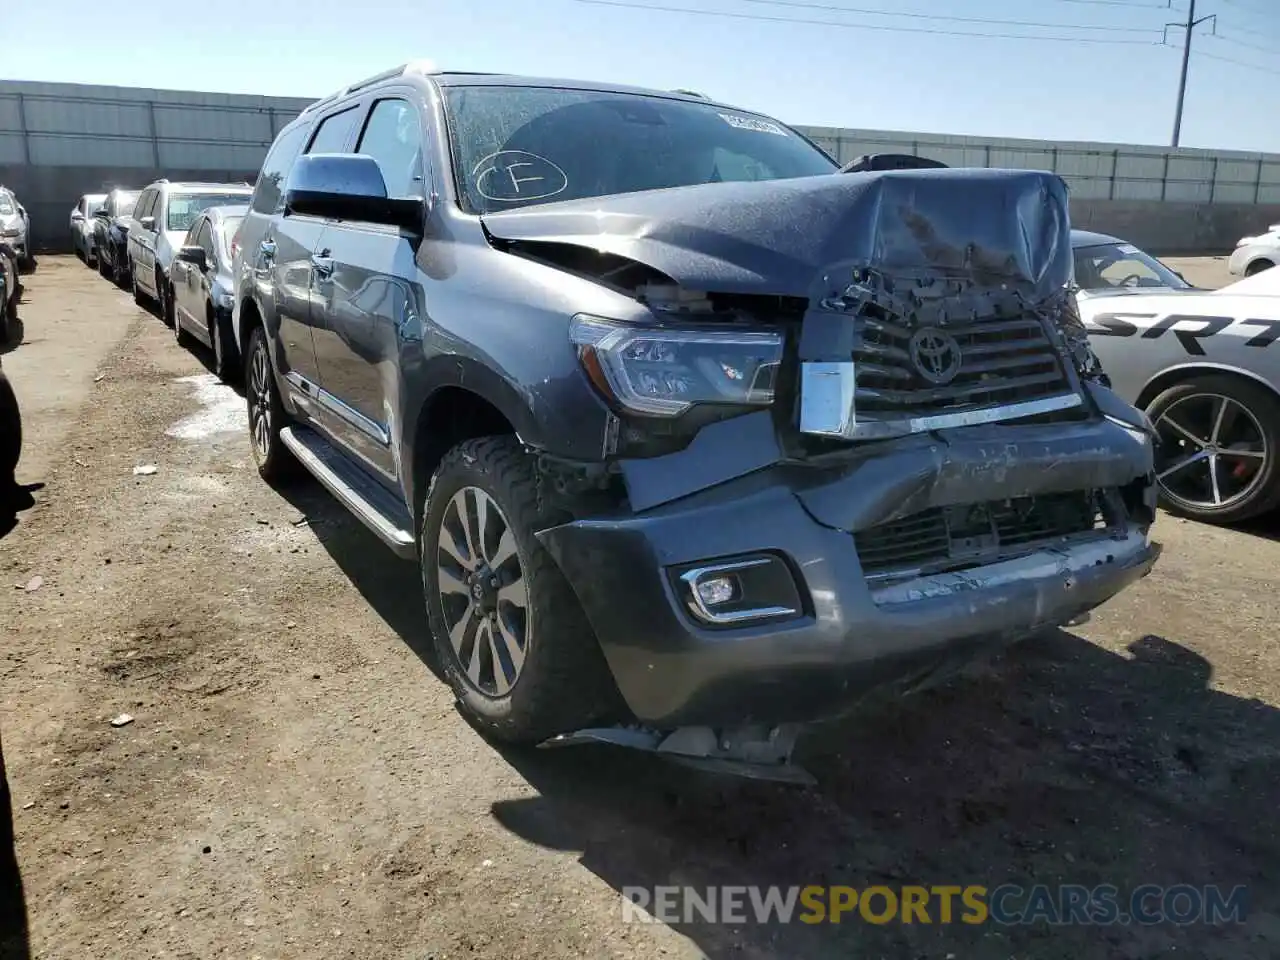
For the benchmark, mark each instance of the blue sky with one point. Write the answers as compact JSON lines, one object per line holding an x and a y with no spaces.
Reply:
{"x":806,"y":73}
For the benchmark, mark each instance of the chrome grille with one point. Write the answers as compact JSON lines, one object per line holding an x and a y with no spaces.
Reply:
{"x":1001,"y":362}
{"x":969,"y":535}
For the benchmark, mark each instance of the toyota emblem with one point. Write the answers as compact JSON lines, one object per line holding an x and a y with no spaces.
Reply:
{"x":935,"y":354}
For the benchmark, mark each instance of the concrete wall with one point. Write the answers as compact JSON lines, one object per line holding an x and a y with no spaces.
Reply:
{"x":60,"y":140}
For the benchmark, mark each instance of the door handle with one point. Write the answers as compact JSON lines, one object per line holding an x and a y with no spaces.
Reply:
{"x":268,"y":249}
{"x":323,"y":266}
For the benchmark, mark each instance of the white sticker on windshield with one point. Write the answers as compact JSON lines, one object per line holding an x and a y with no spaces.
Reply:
{"x":1128,"y":249}
{"x":754,"y":124}
{"x":511,"y":176}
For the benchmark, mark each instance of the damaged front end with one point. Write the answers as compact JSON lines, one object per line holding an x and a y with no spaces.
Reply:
{"x":888,"y":447}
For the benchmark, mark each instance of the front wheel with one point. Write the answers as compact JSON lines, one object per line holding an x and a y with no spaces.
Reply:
{"x":1217,"y":449}
{"x":266,"y":413}
{"x":509,"y":632}
{"x":139,"y":297}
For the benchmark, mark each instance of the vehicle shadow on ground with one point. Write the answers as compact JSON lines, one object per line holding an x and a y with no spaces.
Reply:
{"x":1267,"y":527}
{"x":14,"y":940}
{"x":17,"y":333}
{"x":1063,"y":763}
{"x":391,"y":587}
{"x":13,"y":501}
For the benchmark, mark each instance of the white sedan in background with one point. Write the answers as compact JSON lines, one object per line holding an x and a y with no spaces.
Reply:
{"x":1255,"y":254}
{"x":1205,"y":365}
{"x":82,"y":225}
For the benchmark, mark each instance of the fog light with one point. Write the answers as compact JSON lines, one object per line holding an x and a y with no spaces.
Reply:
{"x":738,"y":592}
{"x":716,"y":590}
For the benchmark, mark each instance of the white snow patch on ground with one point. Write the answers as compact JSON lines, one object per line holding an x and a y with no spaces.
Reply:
{"x":222,"y":410}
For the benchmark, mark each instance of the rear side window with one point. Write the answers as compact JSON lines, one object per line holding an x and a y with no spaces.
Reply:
{"x":393,"y":137}
{"x":334,"y":132}
{"x":275,"y":169}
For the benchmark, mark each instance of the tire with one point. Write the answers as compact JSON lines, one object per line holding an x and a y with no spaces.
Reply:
{"x":140,"y":298}
{"x":179,"y":332}
{"x":105,"y":269}
{"x":10,"y":431}
{"x":1257,"y":267}
{"x":1247,"y":486}
{"x":164,"y":298}
{"x":275,"y":463}
{"x":225,"y":356}
{"x":563,"y":683}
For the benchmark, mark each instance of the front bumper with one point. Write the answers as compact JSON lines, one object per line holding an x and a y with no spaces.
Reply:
{"x":851,"y":637}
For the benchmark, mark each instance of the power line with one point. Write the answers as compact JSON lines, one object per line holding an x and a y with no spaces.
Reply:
{"x":989,"y":21}
{"x":1242,"y":43}
{"x":724,"y":14}
{"x":1238,"y":63}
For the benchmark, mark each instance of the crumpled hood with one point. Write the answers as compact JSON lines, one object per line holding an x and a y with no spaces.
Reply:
{"x":779,"y":237}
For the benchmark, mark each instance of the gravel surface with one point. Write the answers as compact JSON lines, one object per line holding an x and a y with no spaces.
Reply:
{"x":295,"y":782}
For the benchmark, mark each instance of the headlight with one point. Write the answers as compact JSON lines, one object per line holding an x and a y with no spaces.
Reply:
{"x":663,"y":372}
{"x":226,"y":301}
{"x":1076,"y":335}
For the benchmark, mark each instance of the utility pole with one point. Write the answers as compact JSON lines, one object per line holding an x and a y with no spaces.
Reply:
{"x":1189,"y":28}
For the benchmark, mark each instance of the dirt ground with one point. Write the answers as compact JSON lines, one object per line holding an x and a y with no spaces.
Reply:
{"x":296,"y":782}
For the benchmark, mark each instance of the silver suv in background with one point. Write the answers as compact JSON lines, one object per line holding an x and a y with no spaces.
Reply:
{"x":161,"y":219}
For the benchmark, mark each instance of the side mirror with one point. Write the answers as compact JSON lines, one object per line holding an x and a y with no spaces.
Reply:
{"x":348,"y":186}
{"x":194,"y":256}
{"x":147,"y":223}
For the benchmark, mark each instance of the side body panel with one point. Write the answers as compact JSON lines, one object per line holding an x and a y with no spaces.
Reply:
{"x":1142,"y":337}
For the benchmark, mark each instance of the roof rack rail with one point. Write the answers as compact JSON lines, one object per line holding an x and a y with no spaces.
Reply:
{"x":420,"y":68}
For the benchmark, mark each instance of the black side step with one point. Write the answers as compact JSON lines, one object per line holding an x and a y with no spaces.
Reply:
{"x":375,"y":506}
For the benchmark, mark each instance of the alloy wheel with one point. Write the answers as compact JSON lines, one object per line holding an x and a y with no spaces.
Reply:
{"x":259,"y":394}
{"x":1212,"y":452}
{"x":483,"y":592}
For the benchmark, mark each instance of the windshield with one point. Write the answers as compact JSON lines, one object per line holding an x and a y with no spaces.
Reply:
{"x":185,"y":207}
{"x":95,"y":205}
{"x":125,"y":202}
{"x":1114,"y":266}
{"x":6,"y":205}
{"x":514,"y":146}
{"x":226,"y":232}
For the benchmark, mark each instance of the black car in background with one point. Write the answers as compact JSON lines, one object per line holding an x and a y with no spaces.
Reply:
{"x":111,"y":233}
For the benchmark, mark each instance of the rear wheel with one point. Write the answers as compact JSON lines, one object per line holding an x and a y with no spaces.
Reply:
{"x":1217,"y":449}
{"x":225,"y":355}
{"x":1257,"y":267}
{"x":266,"y":413}
{"x":509,"y":632}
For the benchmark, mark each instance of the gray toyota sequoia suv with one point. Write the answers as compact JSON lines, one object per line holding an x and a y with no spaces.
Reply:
{"x":695,"y":438}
